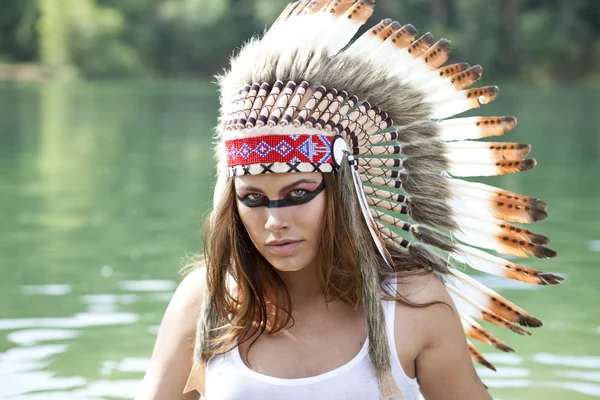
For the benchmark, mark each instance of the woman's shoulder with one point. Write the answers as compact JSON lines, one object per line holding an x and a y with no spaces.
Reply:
{"x":190,"y":291}
{"x":427,"y":309}
{"x":186,"y":304}
{"x":432,"y":340}
{"x":423,"y":289}
{"x":172,"y":356}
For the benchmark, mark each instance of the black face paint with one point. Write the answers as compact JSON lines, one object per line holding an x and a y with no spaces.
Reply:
{"x":288,"y":202}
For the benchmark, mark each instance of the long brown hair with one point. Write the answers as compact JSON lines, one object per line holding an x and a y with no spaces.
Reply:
{"x":261,"y":301}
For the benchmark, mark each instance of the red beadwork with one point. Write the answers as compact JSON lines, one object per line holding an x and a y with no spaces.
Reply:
{"x":279,"y":149}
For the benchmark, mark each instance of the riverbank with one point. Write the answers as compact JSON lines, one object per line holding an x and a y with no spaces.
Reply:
{"x":25,"y":73}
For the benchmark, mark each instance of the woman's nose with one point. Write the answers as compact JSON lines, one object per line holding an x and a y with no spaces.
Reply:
{"x":277,"y":220}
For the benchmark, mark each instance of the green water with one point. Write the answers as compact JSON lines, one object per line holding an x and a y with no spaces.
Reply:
{"x":103,"y":189}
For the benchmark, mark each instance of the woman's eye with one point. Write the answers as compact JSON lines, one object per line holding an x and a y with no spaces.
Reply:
{"x":254,"y":197}
{"x":298,"y":193}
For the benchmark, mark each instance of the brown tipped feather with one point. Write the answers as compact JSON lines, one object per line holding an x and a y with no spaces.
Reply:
{"x":404,"y":37}
{"x":478,"y":357}
{"x":509,"y":311}
{"x":338,"y":8}
{"x":523,"y":234}
{"x":480,"y":334}
{"x":513,"y":166}
{"x":438,"y":54}
{"x":314,"y":6}
{"x":421,"y":45}
{"x":464,"y":79}
{"x":521,"y":248}
{"x":496,"y":126}
{"x":380,"y":27}
{"x":388,"y":31}
{"x":503,"y":197}
{"x":510,"y":151}
{"x":504,"y":323}
{"x":449,"y":70}
{"x":488,"y":263}
{"x":530,"y":275}
{"x":490,"y":301}
{"x":511,"y":197}
{"x":483,"y":95}
{"x":361,"y":11}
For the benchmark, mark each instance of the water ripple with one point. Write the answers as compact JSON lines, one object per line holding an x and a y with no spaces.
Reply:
{"x":567,"y":361}
{"x":148,"y":286}
{"x":48,"y":290}
{"x":32,"y":337}
{"x":19,"y":384}
{"x":77,"y":321}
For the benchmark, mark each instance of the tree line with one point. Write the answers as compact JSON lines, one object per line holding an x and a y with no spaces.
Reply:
{"x":538,"y":41}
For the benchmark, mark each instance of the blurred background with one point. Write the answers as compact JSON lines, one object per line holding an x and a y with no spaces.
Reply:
{"x":107,"y":109}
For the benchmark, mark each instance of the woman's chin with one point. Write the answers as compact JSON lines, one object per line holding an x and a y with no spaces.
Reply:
{"x":288,"y":265}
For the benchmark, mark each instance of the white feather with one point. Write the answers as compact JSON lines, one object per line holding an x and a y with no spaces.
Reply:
{"x":343,"y":32}
{"x":480,"y":260}
{"x":363,"y":45}
{"x":476,"y":238}
{"x":450,"y":108}
{"x":487,"y":226}
{"x":460,"y":129}
{"x":470,"y":152}
{"x":463,"y":168}
{"x":473,"y":207}
{"x":471,"y":288}
{"x":463,"y":304}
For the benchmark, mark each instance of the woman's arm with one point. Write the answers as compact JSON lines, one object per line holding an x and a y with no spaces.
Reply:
{"x":173,"y":352}
{"x":443,"y":365}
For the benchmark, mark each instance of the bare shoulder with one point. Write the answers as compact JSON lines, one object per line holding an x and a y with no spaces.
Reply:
{"x":427,"y":308}
{"x":189,"y":293}
{"x":438,"y":356}
{"x":171,"y":360}
{"x":423,"y":289}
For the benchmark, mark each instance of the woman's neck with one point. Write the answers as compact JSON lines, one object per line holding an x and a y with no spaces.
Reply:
{"x":304,"y":285}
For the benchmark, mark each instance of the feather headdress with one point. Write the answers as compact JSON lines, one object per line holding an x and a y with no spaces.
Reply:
{"x":307,"y":97}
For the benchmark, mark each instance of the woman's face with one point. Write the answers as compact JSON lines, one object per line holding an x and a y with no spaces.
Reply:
{"x":283,"y":214}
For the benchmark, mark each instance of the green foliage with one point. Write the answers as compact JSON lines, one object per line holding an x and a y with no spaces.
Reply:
{"x":18,"y":39}
{"x":95,"y":40}
{"x":536,"y":40}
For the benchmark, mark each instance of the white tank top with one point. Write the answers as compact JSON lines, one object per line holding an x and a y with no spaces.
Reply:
{"x":228,"y":378}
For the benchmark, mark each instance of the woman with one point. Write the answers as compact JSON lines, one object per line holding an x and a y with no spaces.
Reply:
{"x":309,"y":292}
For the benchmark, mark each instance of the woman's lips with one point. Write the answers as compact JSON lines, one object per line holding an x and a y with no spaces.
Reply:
{"x":284,"y":249}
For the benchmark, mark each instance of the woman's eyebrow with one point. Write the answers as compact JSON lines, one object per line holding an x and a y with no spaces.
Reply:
{"x":283,"y":189}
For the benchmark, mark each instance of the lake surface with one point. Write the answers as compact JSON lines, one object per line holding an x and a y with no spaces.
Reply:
{"x":103,"y":190}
